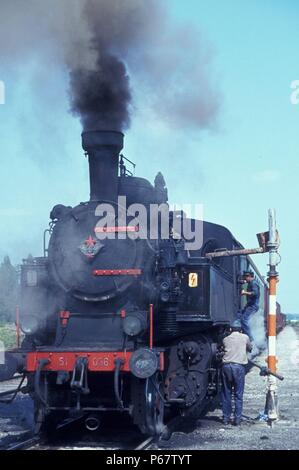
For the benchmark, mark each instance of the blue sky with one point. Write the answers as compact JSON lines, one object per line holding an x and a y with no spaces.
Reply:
{"x":247,"y":164}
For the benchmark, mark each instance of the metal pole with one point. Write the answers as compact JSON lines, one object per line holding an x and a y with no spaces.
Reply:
{"x":224,"y":253}
{"x":151,"y":338}
{"x":18,"y":325}
{"x":271,"y":407}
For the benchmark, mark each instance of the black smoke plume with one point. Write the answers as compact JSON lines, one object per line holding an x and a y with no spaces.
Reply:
{"x":100,"y":91}
{"x":115,"y":50}
{"x":101,"y":97}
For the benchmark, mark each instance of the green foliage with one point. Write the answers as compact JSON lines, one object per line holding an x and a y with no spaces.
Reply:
{"x":8,"y":290}
{"x":8,"y":335}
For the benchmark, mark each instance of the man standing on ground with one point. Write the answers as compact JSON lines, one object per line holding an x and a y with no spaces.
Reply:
{"x":236,"y":345}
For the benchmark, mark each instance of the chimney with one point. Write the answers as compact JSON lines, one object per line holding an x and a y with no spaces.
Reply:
{"x":103,"y":148}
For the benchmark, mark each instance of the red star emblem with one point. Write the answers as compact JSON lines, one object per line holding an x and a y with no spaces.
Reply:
{"x":90,"y":242}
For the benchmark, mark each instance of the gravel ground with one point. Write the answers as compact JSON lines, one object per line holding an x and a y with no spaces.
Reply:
{"x":16,"y":420}
{"x":209,"y":434}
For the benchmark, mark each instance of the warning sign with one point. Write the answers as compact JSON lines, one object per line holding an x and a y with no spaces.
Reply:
{"x":193,"y":279}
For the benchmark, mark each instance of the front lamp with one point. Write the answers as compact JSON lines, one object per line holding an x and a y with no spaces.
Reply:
{"x":134,"y":323}
{"x":144,"y":363}
{"x":29,"y":324}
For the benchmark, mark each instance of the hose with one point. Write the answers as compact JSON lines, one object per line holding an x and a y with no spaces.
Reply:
{"x":118,"y":363}
{"x":41,"y":364}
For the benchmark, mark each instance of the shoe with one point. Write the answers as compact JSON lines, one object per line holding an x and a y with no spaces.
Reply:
{"x":225,"y":422}
{"x":237,"y":422}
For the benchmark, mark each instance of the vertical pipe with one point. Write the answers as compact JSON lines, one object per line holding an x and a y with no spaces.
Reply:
{"x":272,"y":325}
{"x":103,"y":148}
{"x":18,"y":326}
{"x":151,"y":338}
{"x":271,"y":407}
{"x":272,"y":246}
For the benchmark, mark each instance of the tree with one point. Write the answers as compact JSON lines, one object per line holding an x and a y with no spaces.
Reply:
{"x":8,"y":290}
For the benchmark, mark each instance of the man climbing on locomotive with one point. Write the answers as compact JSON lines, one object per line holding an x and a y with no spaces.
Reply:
{"x":253,"y":299}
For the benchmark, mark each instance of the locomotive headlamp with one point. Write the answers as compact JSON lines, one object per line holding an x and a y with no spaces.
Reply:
{"x":144,"y":363}
{"x":134,"y":323}
{"x":164,"y":296}
{"x":29,"y":324}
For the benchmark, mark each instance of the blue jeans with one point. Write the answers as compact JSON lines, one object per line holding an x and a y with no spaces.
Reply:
{"x":245,"y":316}
{"x":233,"y":381}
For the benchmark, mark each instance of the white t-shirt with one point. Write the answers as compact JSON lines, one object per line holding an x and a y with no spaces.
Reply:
{"x":236,"y":346}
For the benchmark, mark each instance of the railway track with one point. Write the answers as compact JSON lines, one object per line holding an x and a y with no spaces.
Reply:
{"x":36,"y":443}
{"x":124,"y":440}
{"x":26,"y":444}
{"x":77,"y":437}
{"x":15,"y":377}
{"x":11,"y":386}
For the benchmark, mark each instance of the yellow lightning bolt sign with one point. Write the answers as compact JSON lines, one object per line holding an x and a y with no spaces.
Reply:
{"x":193,"y":279}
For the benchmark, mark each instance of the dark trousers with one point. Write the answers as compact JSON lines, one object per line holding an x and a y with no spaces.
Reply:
{"x":245,"y":316}
{"x":233,"y":381}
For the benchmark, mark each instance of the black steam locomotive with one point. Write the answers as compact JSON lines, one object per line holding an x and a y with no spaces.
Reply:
{"x":125,"y":323}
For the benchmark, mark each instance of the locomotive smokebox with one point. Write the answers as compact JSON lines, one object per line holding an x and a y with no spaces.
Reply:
{"x":103,"y":148}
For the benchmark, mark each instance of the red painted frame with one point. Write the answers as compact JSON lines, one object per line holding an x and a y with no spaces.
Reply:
{"x":117,"y":272}
{"x":97,"y":361}
{"x":119,"y":229}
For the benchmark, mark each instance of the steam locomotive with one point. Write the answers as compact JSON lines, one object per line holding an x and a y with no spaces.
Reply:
{"x":117,"y":320}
